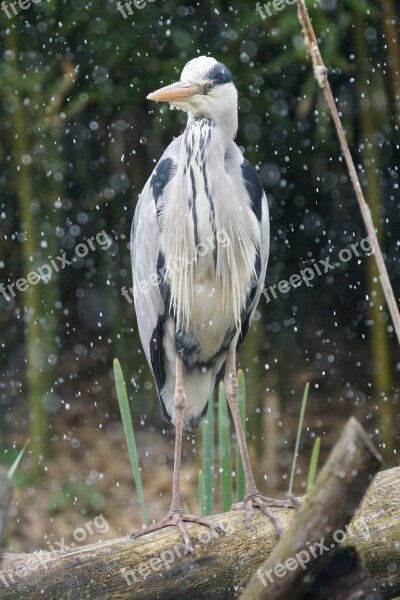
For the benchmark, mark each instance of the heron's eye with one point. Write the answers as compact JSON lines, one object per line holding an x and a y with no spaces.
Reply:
{"x":207,"y":87}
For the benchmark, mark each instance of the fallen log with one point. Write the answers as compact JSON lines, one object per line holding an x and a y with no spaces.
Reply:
{"x":157,"y":565}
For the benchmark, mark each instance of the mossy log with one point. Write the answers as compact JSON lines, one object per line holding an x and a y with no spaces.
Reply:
{"x":157,"y":565}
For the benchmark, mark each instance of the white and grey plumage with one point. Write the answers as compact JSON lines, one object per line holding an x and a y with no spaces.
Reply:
{"x":199,"y":246}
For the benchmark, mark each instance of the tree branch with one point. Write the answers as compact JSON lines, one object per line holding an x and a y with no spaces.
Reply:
{"x":320,"y":524}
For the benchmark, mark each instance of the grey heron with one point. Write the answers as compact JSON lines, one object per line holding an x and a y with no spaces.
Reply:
{"x":199,"y":249}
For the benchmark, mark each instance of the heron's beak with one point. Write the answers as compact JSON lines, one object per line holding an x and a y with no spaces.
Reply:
{"x":176,"y":92}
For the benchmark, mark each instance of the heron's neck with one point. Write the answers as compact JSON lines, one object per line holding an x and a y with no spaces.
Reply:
{"x":225,"y":126}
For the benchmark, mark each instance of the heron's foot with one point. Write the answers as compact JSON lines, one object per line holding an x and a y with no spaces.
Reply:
{"x":265,"y":505}
{"x":178,"y":519}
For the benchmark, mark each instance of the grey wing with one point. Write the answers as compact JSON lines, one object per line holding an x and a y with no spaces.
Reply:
{"x":151,"y":293}
{"x":145,"y":236}
{"x":259,"y":206}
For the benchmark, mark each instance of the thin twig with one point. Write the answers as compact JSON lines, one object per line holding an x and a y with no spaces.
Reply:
{"x":321,"y":75}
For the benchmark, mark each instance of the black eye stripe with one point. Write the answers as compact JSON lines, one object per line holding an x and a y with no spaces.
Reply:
{"x":220,"y":74}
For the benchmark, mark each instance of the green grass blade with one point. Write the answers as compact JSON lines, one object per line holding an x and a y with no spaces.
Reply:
{"x":14,"y":466}
{"x":202,"y":494}
{"x":240,"y":478}
{"x":313,"y":464}
{"x":224,"y":442}
{"x":208,"y":458}
{"x":129,"y":434}
{"x":299,"y":429}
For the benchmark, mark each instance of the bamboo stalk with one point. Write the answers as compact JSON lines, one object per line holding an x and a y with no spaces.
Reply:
{"x":39,"y":301}
{"x":380,"y":341}
{"x":391,"y":30}
{"x":5,"y":491}
{"x":36,"y":370}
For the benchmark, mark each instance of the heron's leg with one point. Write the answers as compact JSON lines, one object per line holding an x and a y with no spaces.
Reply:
{"x":253,"y":497}
{"x":180,"y":402}
{"x":176,"y":515}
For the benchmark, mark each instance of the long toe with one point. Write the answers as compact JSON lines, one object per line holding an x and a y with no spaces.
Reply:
{"x":275,"y":502}
{"x":178,"y":519}
{"x":206,"y":522}
{"x":265,"y":505}
{"x":165,"y":522}
{"x":269,"y":513}
{"x":179,"y":522}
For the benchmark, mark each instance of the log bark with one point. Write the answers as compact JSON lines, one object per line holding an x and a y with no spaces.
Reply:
{"x":157,"y":566}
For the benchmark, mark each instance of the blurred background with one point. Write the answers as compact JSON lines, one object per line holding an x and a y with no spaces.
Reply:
{"x":78,"y":141}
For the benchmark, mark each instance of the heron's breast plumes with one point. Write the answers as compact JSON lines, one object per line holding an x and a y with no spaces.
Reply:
{"x":209,"y":235}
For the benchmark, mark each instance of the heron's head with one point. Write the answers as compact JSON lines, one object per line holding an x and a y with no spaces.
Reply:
{"x":206,"y":89}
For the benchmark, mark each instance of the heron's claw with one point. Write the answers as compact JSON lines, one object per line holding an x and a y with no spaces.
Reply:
{"x":265,"y":505}
{"x":177,"y":519}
